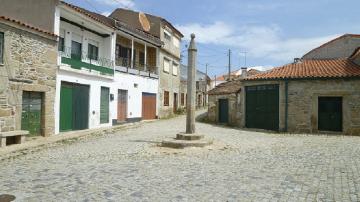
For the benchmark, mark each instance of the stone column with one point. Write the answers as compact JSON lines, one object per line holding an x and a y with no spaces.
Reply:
{"x":190,"y":104}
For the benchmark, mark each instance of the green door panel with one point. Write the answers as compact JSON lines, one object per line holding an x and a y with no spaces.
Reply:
{"x":262,"y":107}
{"x":104,"y":105}
{"x":80,"y":107}
{"x":223,"y":111}
{"x":66,"y":107}
{"x":74,"y":107}
{"x":330,"y":114}
{"x":31,"y":112}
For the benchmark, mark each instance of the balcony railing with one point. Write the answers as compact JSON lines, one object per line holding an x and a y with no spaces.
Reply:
{"x":124,"y":65}
{"x":83,"y":60}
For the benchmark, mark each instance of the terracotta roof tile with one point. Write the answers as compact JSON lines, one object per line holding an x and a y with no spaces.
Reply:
{"x":226,"y":88}
{"x":27,"y":26}
{"x":329,"y":68}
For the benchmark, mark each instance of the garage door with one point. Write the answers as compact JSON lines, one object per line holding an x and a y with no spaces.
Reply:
{"x":148,"y":106}
{"x":262,"y":107}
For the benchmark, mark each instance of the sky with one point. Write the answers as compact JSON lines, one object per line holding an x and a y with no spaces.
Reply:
{"x":266,"y":33}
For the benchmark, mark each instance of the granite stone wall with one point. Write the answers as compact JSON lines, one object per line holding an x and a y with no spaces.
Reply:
{"x":235,"y":113}
{"x":30,"y":64}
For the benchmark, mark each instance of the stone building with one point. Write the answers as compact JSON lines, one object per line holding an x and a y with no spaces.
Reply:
{"x":319,"y":93}
{"x":224,"y":103}
{"x":202,"y":87}
{"x":169,"y":54}
{"x":28,"y":62}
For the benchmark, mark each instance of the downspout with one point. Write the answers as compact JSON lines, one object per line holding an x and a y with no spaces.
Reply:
{"x":286,"y":104}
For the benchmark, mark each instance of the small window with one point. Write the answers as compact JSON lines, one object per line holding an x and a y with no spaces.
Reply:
{"x":93,"y":52}
{"x":1,"y":48}
{"x":175,"y":69}
{"x":166,"y":65}
{"x":176,"y":42}
{"x":166,"y":98}
{"x":61,"y":45}
{"x":167,"y":35}
{"x":197,"y":85}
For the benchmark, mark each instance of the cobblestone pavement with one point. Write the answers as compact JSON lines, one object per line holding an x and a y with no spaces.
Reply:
{"x":127,"y":166}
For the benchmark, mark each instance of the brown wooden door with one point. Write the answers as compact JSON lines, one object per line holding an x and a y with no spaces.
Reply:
{"x":122,"y":105}
{"x":148,"y":106}
{"x":175,"y":102}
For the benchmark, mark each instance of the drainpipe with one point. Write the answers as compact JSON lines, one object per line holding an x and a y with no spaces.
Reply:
{"x":286,"y":104}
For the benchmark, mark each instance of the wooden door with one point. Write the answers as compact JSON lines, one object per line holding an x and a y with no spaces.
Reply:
{"x":148,"y":106}
{"x":122,"y":105}
{"x":104,"y":105}
{"x":262,"y":107}
{"x":175,"y":102}
{"x":31,"y":112}
{"x":330,"y":114}
{"x":223,"y":110}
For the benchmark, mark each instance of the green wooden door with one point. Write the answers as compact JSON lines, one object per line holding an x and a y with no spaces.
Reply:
{"x":223,"y":111}
{"x":330,"y":114}
{"x":80,"y":107}
{"x":104,"y":105}
{"x":66,"y":107}
{"x":74,"y":107}
{"x":31,"y":112}
{"x":262,"y":107}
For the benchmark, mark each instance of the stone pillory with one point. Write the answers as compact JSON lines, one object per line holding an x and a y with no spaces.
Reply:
{"x":190,"y":105}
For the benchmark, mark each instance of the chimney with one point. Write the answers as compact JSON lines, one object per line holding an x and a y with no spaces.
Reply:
{"x":243,"y":72}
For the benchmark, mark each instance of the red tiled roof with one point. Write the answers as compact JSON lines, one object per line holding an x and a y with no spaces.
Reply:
{"x":27,"y":26}
{"x":226,"y":88}
{"x":329,"y":68}
{"x":338,"y":38}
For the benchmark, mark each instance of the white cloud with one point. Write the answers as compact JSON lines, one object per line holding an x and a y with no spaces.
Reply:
{"x":258,"y":41}
{"x":106,"y":13}
{"x":119,"y":3}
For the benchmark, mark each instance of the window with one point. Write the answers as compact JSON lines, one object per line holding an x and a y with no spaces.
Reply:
{"x":1,"y":48}
{"x":141,"y":58}
{"x":61,"y":45}
{"x":167,"y":35}
{"x":166,"y":98}
{"x":76,"y":49}
{"x":176,"y":42}
{"x":182,"y":99}
{"x":175,"y":69}
{"x":123,"y":56}
{"x":166,"y":65}
{"x":197,"y":85}
{"x":93,"y":52}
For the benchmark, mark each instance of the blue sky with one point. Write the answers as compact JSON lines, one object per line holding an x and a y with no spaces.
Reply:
{"x":271,"y":32}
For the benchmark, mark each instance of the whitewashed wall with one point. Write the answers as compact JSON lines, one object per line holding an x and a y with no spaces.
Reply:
{"x":95,"y":84}
{"x":125,"y":81}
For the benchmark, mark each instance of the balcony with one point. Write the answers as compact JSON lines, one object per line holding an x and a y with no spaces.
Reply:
{"x":124,"y":65}
{"x":83,"y":60}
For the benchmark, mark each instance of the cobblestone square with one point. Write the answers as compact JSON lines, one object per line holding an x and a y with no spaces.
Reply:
{"x":241,"y":166}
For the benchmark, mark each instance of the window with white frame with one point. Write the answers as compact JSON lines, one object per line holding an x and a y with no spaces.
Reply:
{"x":167,"y":35}
{"x":1,"y":47}
{"x":166,"y":65}
{"x":176,"y":42}
{"x":175,"y":69}
{"x":93,"y":50}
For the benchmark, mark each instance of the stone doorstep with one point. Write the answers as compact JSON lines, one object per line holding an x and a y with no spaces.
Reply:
{"x":181,"y":144}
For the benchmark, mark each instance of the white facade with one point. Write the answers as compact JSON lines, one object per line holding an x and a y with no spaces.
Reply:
{"x":135,"y":85}
{"x":75,"y":27}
